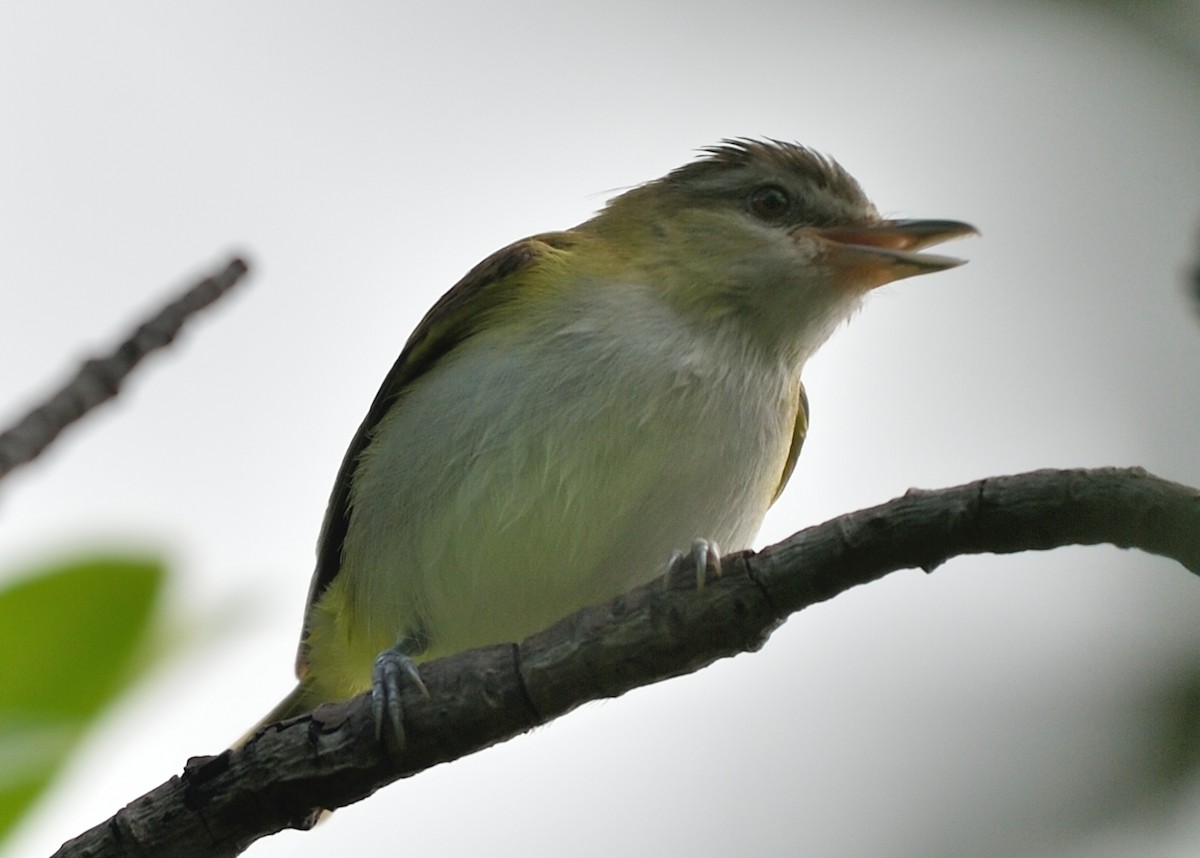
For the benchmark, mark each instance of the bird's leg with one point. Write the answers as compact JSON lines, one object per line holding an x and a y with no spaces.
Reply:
{"x":705,"y":556}
{"x":393,"y":667}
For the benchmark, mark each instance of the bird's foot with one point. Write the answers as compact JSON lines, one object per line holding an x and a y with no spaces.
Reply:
{"x":393,"y":667}
{"x":705,"y":557}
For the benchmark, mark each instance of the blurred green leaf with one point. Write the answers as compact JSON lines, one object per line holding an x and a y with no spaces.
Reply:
{"x":70,"y":637}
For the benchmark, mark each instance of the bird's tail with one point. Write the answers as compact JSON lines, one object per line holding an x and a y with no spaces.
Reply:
{"x":298,"y":701}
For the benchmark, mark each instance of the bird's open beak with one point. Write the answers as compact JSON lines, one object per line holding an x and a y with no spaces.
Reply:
{"x":881,"y":252}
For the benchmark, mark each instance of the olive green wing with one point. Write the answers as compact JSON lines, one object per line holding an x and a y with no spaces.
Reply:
{"x":454,"y":318}
{"x":798,"y":433}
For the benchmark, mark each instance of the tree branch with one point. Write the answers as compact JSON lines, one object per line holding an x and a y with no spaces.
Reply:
{"x":285,"y":774}
{"x":99,"y":379}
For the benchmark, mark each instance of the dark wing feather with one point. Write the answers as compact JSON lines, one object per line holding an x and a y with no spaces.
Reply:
{"x":450,"y":321}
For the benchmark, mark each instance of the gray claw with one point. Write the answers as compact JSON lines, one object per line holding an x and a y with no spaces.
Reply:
{"x":674,"y":562}
{"x":705,"y":555}
{"x":392,"y":668}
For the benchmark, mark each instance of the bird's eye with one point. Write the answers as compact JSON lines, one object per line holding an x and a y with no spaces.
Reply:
{"x":770,"y":202}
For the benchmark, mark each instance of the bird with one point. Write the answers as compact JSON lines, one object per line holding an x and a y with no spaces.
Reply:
{"x":584,"y":406}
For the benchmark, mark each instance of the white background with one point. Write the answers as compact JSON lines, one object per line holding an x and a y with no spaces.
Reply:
{"x":365,"y":154}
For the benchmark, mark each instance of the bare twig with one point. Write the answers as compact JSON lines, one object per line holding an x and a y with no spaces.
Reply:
{"x":99,"y":379}
{"x":329,"y":758}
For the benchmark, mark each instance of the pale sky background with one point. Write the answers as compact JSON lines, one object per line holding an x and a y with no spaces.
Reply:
{"x":366,"y":154}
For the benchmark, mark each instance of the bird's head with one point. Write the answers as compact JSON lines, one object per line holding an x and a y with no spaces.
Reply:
{"x":768,"y":235}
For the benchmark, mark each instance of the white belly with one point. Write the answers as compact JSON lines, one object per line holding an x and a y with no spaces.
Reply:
{"x":519,"y":481}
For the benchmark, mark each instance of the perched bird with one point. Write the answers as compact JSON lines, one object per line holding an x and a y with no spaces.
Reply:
{"x":583,"y":403}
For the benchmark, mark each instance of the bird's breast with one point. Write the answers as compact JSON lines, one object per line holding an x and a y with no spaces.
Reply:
{"x":532,"y":473}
